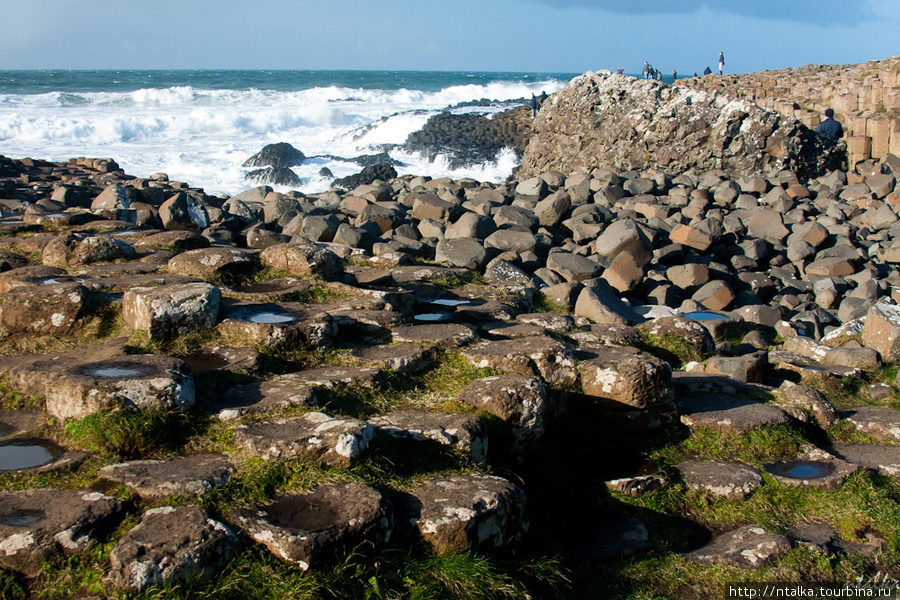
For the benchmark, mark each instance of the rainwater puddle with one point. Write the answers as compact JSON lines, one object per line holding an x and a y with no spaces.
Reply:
{"x":265,"y":316}
{"x":450,"y":302}
{"x":111,"y":372}
{"x":438,"y":317}
{"x":801,"y":469}
{"x":126,"y":232}
{"x":703,"y":316}
{"x":23,"y":456}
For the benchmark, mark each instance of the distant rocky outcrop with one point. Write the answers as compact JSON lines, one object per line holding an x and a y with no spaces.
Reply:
{"x":472,"y":138}
{"x":632,"y":124}
{"x":384,"y":172}
{"x":276,"y":161}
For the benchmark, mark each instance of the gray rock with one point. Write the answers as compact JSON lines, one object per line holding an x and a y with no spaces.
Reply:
{"x":462,"y":512}
{"x":171,"y":310}
{"x":519,"y":400}
{"x":541,"y":356}
{"x":879,"y":422}
{"x":724,"y":479}
{"x":465,"y":433}
{"x":875,"y":457}
{"x":171,"y":544}
{"x":727,"y":414}
{"x":313,"y":437}
{"x":36,"y":525}
{"x":749,"y":547}
{"x":467,"y":253}
{"x":207,"y":262}
{"x":187,"y":476}
{"x":321,"y":527}
{"x":43,"y":309}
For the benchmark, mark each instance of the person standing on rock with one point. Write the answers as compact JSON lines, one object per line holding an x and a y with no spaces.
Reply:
{"x":829,"y":128}
{"x":541,"y":99}
{"x":721,"y":62}
{"x":674,"y":75}
{"x":646,"y":72}
{"x":534,"y":105}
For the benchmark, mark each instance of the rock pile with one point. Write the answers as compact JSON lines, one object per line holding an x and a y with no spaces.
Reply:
{"x":599,"y":298}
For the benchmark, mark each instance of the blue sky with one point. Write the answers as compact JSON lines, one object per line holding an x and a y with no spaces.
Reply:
{"x":473,"y":35}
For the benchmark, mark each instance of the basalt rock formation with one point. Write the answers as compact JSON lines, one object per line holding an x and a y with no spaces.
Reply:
{"x":603,"y":119}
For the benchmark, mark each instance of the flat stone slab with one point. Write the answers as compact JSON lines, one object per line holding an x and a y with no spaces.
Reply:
{"x":222,"y":358}
{"x":95,"y":378}
{"x":460,"y":512}
{"x":282,"y":289}
{"x":187,"y":476}
{"x":724,"y":479}
{"x":877,"y":421}
{"x":19,"y":422}
{"x":205,"y":262}
{"x":400,"y":358}
{"x":38,"y":524}
{"x":536,"y":356}
{"x":875,"y":457}
{"x":42,"y":309}
{"x":824,"y":539}
{"x":256,"y":397}
{"x":453,"y":335}
{"x":314,"y":437}
{"x":519,"y":400}
{"x":549,"y":321}
{"x":330,"y":377}
{"x":171,"y":544}
{"x":728,"y":414}
{"x":278,"y":326}
{"x":749,"y":547}
{"x":467,"y":433}
{"x":321,"y":527}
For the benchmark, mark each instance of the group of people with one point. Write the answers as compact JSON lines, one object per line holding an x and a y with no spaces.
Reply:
{"x":536,"y":102}
{"x":649,"y":72}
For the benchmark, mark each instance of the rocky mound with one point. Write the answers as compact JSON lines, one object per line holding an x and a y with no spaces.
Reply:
{"x":605,"y":119}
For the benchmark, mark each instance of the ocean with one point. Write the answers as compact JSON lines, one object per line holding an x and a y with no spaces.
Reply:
{"x":200,"y":126}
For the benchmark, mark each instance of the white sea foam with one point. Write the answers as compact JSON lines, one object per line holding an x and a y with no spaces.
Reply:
{"x":204,"y":136}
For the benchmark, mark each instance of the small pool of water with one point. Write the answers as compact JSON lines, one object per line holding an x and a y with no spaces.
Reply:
{"x":264,"y":316}
{"x":438,"y":317}
{"x":450,"y":302}
{"x":26,"y":456}
{"x":111,"y":371}
{"x":126,"y":232}
{"x":801,"y":469}
{"x":703,"y":316}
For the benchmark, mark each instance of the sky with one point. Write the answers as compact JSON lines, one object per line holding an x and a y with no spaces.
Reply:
{"x":564,"y":36}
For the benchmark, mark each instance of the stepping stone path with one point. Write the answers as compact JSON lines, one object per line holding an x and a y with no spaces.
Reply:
{"x":171,"y":544}
{"x":466,"y":433}
{"x":724,"y":479}
{"x":455,"y":513}
{"x":36,"y":525}
{"x":748,"y":547}
{"x":188,"y":476}
{"x":314,"y":437}
{"x":311,"y":530}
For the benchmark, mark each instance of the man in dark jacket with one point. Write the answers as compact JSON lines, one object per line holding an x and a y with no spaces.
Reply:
{"x":829,"y":128}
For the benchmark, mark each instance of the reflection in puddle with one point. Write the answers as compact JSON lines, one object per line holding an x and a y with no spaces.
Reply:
{"x":110,"y":372}
{"x":434,"y":317}
{"x":801,"y":469}
{"x":265,"y":316}
{"x":450,"y":302}
{"x":23,"y":457}
{"x":703,"y":316}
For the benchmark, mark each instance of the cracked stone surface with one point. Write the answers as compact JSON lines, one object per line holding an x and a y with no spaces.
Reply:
{"x":38,"y":524}
{"x":187,"y":476}
{"x":748,"y":547}
{"x":321,"y":527}
{"x":725,"y":479}
{"x":467,"y":433}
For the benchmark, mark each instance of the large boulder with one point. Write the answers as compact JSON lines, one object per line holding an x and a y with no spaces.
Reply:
{"x":302,"y":259}
{"x":43,"y":309}
{"x":171,"y":310}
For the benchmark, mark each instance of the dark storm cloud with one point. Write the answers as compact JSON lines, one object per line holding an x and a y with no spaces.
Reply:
{"x":821,"y":12}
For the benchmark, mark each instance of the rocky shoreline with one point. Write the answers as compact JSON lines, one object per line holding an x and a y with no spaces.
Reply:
{"x":578,"y":364}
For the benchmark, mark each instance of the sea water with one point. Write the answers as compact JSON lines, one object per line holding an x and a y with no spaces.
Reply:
{"x":200,"y":126}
